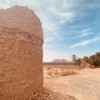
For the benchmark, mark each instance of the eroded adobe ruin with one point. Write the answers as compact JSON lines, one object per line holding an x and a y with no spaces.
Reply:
{"x":21,"y":40}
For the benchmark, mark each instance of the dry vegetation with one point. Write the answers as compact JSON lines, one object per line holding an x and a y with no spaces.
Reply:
{"x":50,"y":73}
{"x":68,"y":72}
{"x":55,"y":72}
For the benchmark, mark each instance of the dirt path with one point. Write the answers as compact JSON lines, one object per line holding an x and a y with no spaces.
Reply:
{"x":85,"y":86}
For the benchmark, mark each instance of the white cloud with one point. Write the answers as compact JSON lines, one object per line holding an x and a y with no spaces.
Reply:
{"x":85,"y":42}
{"x":80,"y":34}
{"x":85,"y":32}
{"x":63,"y":16}
{"x":49,"y":39}
{"x":66,"y":17}
{"x":4,"y":5}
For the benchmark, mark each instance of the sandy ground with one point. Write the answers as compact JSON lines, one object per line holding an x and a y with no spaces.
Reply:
{"x":61,"y":66}
{"x":82,"y":86}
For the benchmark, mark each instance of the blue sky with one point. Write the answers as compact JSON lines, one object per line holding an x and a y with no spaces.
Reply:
{"x":69,"y":26}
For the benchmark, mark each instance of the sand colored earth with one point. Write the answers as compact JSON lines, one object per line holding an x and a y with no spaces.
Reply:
{"x":82,"y":86}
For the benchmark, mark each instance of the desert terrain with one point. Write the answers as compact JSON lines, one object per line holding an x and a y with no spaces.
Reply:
{"x":82,"y":84}
{"x":22,"y":74}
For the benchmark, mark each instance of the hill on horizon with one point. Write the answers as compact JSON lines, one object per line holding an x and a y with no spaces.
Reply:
{"x":60,"y":61}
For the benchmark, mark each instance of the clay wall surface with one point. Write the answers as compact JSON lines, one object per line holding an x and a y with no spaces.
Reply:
{"x":21,"y":70}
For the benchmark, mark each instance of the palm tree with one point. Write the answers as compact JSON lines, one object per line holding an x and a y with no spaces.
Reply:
{"x":74,"y":59}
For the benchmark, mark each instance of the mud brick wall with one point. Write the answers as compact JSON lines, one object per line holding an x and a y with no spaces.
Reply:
{"x":21,"y":70}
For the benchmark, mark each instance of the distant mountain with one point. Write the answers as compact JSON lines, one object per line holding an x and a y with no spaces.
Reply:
{"x":59,"y":61}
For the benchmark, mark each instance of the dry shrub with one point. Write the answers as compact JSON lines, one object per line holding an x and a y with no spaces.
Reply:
{"x":56,"y":72}
{"x":68,"y":72}
{"x":50,"y":73}
{"x":61,"y":72}
{"x":52,"y":69}
{"x":62,"y":69}
{"x":48,"y":68}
